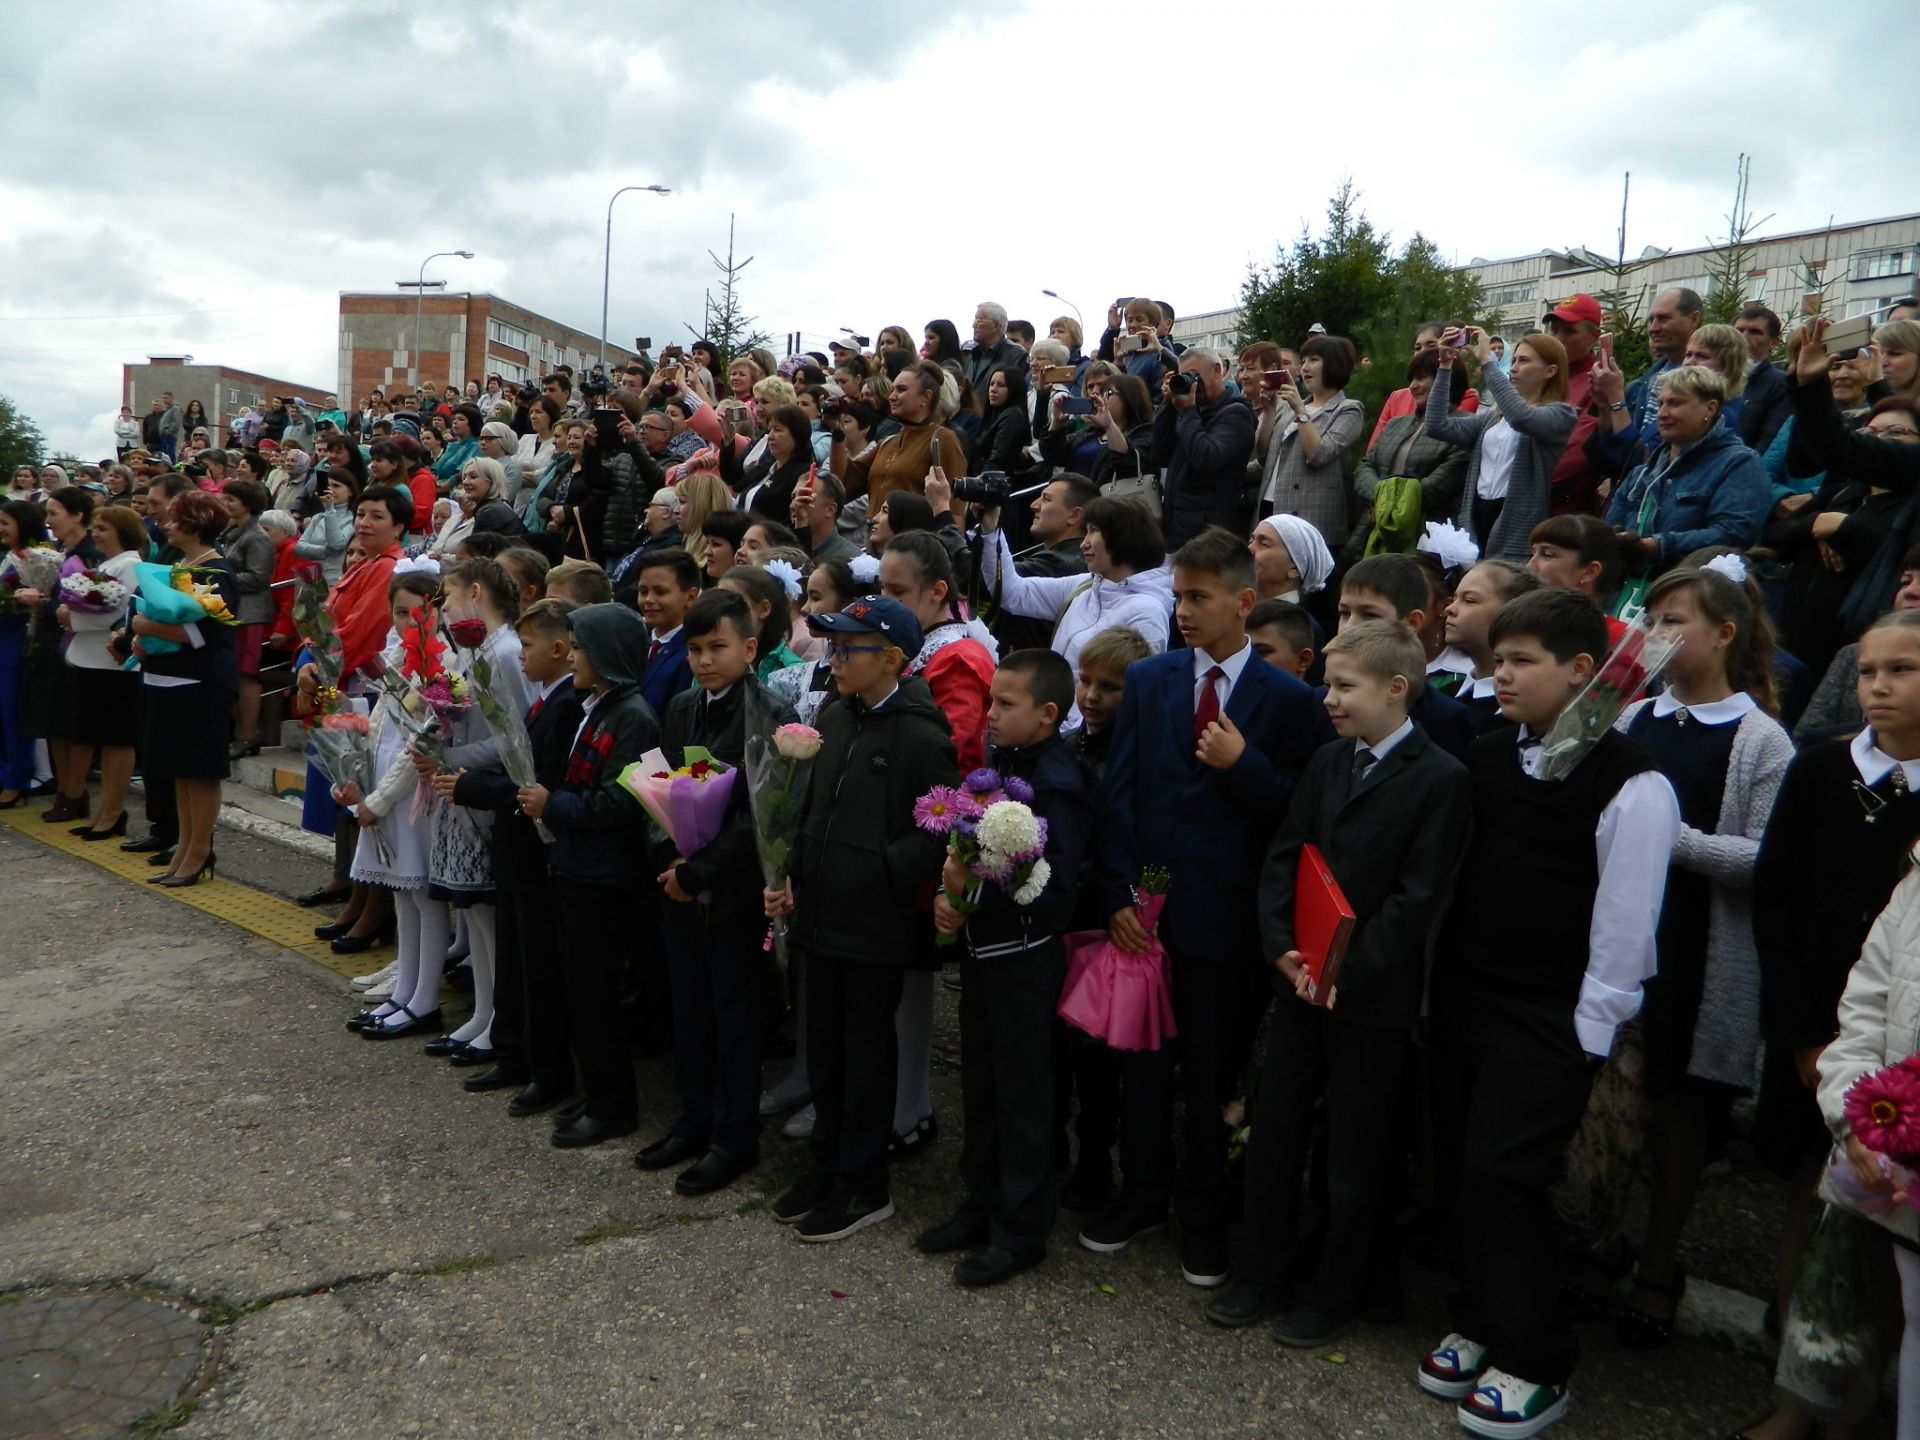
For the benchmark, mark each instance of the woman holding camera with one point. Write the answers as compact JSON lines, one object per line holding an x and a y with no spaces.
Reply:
{"x":1306,"y":459}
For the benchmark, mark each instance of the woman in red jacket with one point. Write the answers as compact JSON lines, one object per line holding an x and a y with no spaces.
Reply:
{"x":955,"y":661}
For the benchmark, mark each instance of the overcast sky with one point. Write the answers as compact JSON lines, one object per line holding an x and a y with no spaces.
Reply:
{"x":206,"y":178}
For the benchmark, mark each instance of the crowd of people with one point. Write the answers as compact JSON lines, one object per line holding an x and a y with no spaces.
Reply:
{"x":1207,"y":613}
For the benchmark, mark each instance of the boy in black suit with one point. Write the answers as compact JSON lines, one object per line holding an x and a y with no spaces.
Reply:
{"x":1397,"y":587}
{"x":530,"y":1032}
{"x":1389,"y":811}
{"x":1206,"y":748}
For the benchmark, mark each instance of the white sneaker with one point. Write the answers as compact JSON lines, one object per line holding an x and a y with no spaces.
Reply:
{"x":1452,"y":1368}
{"x":367,"y":982}
{"x":1504,"y":1405}
{"x":799,"y":1125}
{"x":789,"y":1094}
{"x":380,"y":989}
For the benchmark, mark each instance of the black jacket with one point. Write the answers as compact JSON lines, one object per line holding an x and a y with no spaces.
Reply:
{"x":860,"y":865}
{"x":1063,"y":797}
{"x":1392,"y":845}
{"x":729,"y":868}
{"x":1765,"y":406}
{"x":519,"y":854}
{"x":1202,"y":454}
{"x":1003,"y":436}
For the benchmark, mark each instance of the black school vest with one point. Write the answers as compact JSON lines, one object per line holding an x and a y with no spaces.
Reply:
{"x":1524,"y":902}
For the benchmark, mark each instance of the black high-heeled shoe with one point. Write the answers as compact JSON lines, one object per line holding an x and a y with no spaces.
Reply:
{"x":113,"y":832}
{"x":335,"y":929}
{"x":180,"y":882}
{"x":348,"y":944}
{"x":322,"y":896}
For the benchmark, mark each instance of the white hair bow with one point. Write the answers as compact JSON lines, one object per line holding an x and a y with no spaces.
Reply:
{"x":865,"y":568}
{"x":414,"y":564}
{"x":1731,"y":566}
{"x":786,"y":574}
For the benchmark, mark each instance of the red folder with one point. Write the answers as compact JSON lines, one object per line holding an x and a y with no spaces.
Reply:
{"x":1322,"y":924}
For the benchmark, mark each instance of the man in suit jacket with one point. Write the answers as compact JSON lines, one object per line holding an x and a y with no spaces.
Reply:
{"x":1196,"y":782}
{"x":1388,"y":810}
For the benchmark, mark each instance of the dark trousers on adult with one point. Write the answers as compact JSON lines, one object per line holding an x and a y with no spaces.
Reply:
{"x":1217,"y":1003}
{"x":162,"y":806}
{"x":1008,"y":1035}
{"x":597,"y":925}
{"x":1519,"y":1064}
{"x":1359,"y":1069}
{"x":718,"y":989}
{"x":853,"y":1062}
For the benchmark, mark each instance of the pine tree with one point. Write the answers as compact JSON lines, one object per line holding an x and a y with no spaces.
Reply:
{"x":1731,"y":270}
{"x":21,"y":442}
{"x":725,"y":325}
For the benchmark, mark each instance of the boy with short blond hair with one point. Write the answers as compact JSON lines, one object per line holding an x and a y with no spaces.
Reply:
{"x":1398,"y":587}
{"x":581,"y":581}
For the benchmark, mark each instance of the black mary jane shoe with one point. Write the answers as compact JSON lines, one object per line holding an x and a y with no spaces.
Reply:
{"x":466,"y":1055}
{"x":441,"y":1048}
{"x":368,"y":1018}
{"x":426,"y":1024}
{"x":322,"y":896}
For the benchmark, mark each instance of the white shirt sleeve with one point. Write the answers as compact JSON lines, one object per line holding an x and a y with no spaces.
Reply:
{"x":1634,"y":845}
{"x":1039,"y":597}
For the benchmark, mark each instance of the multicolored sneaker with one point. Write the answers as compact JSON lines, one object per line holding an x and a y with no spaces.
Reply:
{"x":1504,"y":1406}
{"x":1452,"y":1368}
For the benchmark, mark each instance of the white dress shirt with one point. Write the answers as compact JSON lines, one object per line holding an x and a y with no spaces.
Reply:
{"x":1382,"y":748}
{"x":1874,"y":764}
{"x":1634,"y":845}
{"x":1231,"y":669}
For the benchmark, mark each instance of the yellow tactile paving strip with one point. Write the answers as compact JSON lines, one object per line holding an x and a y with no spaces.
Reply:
{"x":268,"y":916}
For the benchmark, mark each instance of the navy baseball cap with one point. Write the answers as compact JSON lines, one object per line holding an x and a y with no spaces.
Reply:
{"x":873,"y":615}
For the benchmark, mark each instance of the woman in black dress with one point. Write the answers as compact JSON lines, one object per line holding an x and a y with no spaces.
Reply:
{"x":51,"y":701}
{"x":189,"y":691}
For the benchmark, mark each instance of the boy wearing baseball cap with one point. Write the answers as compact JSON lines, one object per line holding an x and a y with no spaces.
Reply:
{"x":859,"y":866}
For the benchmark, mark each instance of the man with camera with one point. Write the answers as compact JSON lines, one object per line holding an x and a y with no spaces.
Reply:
{"x":1058,"y":526}
{"x":1202,"y":438}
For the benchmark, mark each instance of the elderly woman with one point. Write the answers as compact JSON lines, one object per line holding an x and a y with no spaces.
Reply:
{"x":1066,"y":332}
{"x":1703,"y":486}
{"x":1304,"y":440}
{"x":499,"y":444}
{"x":1403,"y":447}
{"x":250,"y":555}
{"x":1049,"y":356}
{"x":106,"y":697}
{"x":189,"y":690}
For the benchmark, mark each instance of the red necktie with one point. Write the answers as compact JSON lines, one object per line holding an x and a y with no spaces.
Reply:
{"x":1207,"y":709}
{"x":534,"y":709}
{"x":653,"y":652}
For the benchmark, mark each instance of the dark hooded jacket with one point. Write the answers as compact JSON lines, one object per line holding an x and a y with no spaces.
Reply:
{"x":599,"y":828}
{"x":1063,"y":797}
{"x":861,"y":865}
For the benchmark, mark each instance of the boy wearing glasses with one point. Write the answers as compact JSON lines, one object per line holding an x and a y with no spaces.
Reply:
{"x":859,"y":865}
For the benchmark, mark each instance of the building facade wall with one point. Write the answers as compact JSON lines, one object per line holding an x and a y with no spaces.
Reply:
{"x":224,"y":391}
{"x":462,"y":337}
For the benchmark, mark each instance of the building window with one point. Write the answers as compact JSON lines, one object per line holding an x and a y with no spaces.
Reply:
{"x":1867,"y":305}
{"x":510,"y":371}
{"x":1503,"y":295}
{"x":233,"y":397}
{"x":506,"y":334}
{"x":1883,"y":265}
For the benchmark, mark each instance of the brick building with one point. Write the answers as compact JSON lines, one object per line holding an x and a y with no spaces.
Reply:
{"x":463,"y":336}
{"x":222,"y":390}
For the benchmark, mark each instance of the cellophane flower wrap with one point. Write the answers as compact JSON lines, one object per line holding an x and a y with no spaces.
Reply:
{"x":992,"y":830}
{"x":313,"y":623}
{"x":175,"y":595}
{"x":508,"y":728}
{"x":340,"y":747}
{"x":90,"y":591}
{"x":779,"y":765}
{"x":688,"y":803}
{"x":425,"y":695}
{"x":1620,"y":679}
{"x":1121,"y":996}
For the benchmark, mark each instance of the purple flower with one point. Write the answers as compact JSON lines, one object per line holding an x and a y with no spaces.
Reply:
{"x":1018,"y":789}
{"x":983,"y":781}
{"x":936,"y":811}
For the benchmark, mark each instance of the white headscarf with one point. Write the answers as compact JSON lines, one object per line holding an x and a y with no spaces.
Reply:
{"x":1311,"y":557}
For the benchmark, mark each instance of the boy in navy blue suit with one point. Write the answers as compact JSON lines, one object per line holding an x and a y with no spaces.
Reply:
{"x":668,"y":583}
{"x":1206,"y":748}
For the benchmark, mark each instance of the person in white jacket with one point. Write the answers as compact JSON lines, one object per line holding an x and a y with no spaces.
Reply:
{"x":1128,"y":581}
{"x":126,"y":432}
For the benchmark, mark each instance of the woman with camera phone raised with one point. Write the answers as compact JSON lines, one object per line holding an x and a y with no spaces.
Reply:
{"x":1305,"y":470}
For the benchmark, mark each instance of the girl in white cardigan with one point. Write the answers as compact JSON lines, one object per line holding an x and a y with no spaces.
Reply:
{"x":1713,"y":736}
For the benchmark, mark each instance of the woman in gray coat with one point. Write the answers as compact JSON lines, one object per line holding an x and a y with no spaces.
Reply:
{"x":1513,"y":445}
{"x":249,"y":550}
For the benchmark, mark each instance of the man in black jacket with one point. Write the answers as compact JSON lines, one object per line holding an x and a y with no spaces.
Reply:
{"x":992,"y":350}
{"x":1202,"y":438}
{"x":1016,"y":965}
{"x":1059,"y":525}
{"x":1765,"y":405}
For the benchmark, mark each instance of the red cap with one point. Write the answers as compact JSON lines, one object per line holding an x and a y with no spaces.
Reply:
{"x":1580,"y":307}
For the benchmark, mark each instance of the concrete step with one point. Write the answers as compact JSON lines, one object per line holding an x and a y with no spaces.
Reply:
{"x":293,"y":735}
{"x":276,"y":772}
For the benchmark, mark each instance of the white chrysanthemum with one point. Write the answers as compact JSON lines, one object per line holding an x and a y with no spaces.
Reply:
{"x":1036,"y":882}
{"x":1009,"y":827}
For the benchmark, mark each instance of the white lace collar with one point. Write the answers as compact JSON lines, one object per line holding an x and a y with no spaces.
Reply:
{"x":1718,"y":712}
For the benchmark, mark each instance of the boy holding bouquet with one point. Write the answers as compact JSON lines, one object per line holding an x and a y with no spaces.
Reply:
{"x":1388,"y":810}
{"x":713,"y":923}
{"x":1008,"y":1033}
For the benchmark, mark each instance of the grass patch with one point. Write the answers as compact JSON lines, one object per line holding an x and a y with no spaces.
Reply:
{"x":608,"y":1230}
{"x":224,"y":1312}
{"x":461,"y":1264}
{"x":12,"y":1297}
{"x":162,"y":1418}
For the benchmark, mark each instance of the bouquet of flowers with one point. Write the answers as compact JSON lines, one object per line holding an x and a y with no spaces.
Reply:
{"x":36,"y":567}
{"x":1883,"y":1111}
{"x":340,"y":746}
{"x":689,"y":803}
{"x":313,"y":623}
{"x":508,"y":729}
{"x":175,"y":595}
{"x":1121,"y":996}
{"x":90,"y":591}
{"x":778,"y":765}
{"x":426,"y":695}
{"x":1621,"y":679}
{"x":992,"y":830}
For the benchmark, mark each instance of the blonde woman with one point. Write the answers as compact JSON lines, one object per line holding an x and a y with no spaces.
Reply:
{"x":701,"y":494}
{"x":1722,"y":349}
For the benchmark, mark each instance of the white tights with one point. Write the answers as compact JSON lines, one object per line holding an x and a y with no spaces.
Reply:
{"x":913,"y":1032}
{"x":1908,"y":1263}
{"x":422,"y":936}
{"x":478,"y":1032}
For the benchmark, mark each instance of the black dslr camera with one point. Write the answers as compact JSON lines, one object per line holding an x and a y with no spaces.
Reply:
{"x":596,"y":382}
{"x":989,"y":488}
{"x":1183,"y":382}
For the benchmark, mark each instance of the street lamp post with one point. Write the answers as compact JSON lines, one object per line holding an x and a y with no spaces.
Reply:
{"x":420,"y":304}
{"x":1056,"y":295}
{"x":606,"y":259}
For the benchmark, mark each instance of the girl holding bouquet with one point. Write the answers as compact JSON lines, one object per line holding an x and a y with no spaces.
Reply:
{"x":22,"y":523}
{"x":481,"y":602}
{"x":49,"y":687}
{"x":396,"y":838}
{"x":1712,"y":733}
{"x":107,"y":706}
{"x":189,"y":690}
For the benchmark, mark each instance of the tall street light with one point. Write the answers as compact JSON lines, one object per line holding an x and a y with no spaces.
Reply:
{"x":1056,"y":295}
{"x":606,"y":260}
{"x":420,"y":304}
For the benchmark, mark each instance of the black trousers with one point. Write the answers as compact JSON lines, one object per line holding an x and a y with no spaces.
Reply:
{"x":1008,"y":1040}
{"x":1525,"y":1079}
{"x":530,"y":1029}
{"x":853,"y":1062}
{"x":597,"y":928}
{"x":162,"y":806}
{"x":1360,"y":1070}
{"x":1088,"y":1075}
{"x":1217,"y":1003}
{"x":719,"y":985}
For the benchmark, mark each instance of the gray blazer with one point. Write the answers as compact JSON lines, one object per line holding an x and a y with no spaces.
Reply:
{"x":249,"y":550}
{"x":1545,"y":428}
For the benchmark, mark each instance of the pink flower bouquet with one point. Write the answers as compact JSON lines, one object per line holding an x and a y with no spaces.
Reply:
{"x":1121,"y":996}
{"x":689,"y":803}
